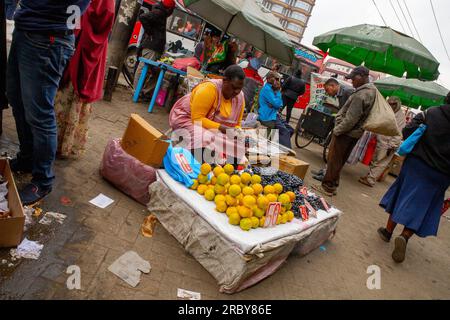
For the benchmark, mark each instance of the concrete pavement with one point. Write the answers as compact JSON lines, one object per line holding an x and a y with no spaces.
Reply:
{"x":93,"y":238}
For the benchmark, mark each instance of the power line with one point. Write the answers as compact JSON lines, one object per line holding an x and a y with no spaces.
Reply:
{"x":392,"y":5}
{"x":412,"y":20}
{"x":439,"y":29}
{"x":404,"y":16}
{"x":379,"y":12}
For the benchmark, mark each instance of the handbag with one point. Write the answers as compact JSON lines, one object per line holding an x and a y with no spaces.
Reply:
{"x":381,"y":119}
{"x":408,"y":145}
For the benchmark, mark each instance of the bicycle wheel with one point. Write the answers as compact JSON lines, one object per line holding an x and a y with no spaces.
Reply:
{"x":326,"y":147}
{"x":302,"y":138}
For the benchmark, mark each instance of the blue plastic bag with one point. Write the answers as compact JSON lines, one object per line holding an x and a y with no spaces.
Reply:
{"x":181,"y":165}
{"x":409,"y":144}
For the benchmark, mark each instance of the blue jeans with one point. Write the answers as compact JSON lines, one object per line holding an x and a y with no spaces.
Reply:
{"x":285,"y":131}
{"x":35,"y":67}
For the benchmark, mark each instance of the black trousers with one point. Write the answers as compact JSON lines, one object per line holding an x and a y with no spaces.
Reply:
{"x":289,"y":104}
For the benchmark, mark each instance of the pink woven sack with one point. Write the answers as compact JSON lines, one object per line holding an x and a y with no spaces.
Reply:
{"x":126,"y":172}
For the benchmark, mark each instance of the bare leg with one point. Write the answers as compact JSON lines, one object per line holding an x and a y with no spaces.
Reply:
{"x":391,"y":225}
{"x":407,"y":233}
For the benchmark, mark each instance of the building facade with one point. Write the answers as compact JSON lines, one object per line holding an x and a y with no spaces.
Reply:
{"x":293,"y":14}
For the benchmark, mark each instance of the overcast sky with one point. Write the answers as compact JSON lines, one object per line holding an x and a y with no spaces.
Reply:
{"x":333,"y":14}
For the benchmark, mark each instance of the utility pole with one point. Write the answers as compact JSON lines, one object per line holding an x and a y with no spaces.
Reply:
{"x":120,"y":37}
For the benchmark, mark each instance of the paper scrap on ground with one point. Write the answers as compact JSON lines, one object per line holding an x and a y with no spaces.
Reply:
{"x":28,"y":217}
{"x":101,"y":201}
{"x":49,"y":217}
{"x":129,"y":266}
{"x":188,"y":295}
{"x":28,"y":250}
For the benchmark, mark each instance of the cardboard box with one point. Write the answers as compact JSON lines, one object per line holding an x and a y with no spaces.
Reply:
{"x":293,"y":166}
{"x":144,"y":142}
{"x":11,"y":229}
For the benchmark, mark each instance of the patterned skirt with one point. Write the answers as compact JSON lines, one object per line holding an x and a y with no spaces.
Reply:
{"x":72,"y":117}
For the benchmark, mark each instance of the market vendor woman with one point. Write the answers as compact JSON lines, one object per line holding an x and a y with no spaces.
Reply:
{"x":212,"y":108}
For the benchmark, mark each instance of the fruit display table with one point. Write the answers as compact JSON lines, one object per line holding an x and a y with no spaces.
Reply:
{"x":237,"y":259}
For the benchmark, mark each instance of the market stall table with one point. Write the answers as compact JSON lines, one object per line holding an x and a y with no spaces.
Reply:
{"x":164,"y":68}
{"x":236,"y":259}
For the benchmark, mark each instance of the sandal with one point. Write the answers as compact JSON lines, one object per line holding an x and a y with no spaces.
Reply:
{"x":364,"y":181}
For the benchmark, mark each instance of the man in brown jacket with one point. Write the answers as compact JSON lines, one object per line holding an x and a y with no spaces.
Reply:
{"x":348,"y":129}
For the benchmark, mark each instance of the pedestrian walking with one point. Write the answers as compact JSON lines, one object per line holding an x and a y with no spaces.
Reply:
{"x":153,"y":43}
{"x":416,"y":198}
{"x":348,"y":129}
{"x":291,"y":89}
{"x":386,"y":146}
{"x":42,"y":45}
{"x":82,"y":83}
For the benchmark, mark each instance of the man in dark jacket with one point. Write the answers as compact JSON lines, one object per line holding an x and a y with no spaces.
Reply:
{"x":153,"y":43}
{"x":334,"y":89}
{"x":348,"y":129}
{"x":292,"y":88}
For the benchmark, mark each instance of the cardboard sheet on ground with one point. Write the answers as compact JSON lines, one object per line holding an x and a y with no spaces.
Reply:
{"x":129,"y":266}
{"x":244,"y":241}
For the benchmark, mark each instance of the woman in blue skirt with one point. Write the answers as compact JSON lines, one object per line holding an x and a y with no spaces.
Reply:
{"x":416,"y":198}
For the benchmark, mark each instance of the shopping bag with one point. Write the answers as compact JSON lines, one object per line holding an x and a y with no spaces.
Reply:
{"x":408,"y":145}
{"x":381,"y":119}
{"x":181,"y":165}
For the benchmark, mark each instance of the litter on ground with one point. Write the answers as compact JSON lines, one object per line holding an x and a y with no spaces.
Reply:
{"x":28,"y":250}
{"x":129,"y":267}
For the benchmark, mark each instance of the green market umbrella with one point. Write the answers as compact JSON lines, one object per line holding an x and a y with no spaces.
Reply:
{"x":380,"y":49}
{"x":412,"y":92}
{"x":248,"y":21}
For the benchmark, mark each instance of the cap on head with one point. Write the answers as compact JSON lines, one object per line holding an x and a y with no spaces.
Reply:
{"x":361,"y":70}
{"x":170,"y":4}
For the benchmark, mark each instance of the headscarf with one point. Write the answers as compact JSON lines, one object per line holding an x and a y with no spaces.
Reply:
{"x":86,"y":69}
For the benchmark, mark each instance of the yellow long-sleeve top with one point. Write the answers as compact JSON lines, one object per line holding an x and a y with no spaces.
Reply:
{"x":203,"y":98}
